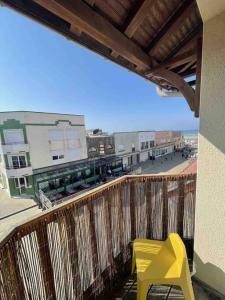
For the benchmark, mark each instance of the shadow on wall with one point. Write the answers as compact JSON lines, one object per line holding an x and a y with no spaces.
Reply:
{"x":213,"y":271}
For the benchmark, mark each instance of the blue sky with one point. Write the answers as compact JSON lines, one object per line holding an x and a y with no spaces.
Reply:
{"x":41,"y":70}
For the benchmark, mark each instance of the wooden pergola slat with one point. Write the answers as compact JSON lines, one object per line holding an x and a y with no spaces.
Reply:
{"x":181,"y":59}
{"x":138,"y":18}
{"x":198,"y":77}
{"x":170,"y":27}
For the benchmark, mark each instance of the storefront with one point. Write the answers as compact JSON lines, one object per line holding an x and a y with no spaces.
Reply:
{"x":69,"y":178}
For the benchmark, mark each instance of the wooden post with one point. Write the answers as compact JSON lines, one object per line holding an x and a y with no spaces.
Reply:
{"x":45,"y":259}
{"x":165,"y":210}
{"x":132,"y":210}
{"x":148,"y":195}
{"x":73,"y":252}
{"x":198,"y":76}
{"x":180,"y":210}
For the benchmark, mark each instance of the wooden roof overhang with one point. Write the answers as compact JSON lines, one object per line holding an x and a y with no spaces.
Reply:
{"x":161,"y":40}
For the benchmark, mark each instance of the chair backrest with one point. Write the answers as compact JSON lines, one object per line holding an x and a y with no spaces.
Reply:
{"x":175,"y":244}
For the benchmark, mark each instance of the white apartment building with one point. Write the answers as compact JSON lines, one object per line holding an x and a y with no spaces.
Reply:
{"x":32,"y":142}
{"x":134,"y":147}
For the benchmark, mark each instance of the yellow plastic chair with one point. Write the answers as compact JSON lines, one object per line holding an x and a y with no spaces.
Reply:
{"x":159,"y":262}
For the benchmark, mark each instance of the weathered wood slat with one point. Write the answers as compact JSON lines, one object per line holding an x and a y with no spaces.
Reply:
{"x":46,"y":264}
{"x":165,"y":210}
{"x":132,"y":210}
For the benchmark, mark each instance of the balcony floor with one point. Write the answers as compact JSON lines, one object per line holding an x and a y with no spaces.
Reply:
{"x":129,"y":289}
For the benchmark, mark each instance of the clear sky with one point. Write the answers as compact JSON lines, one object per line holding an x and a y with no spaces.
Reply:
{"x":41,"y":70}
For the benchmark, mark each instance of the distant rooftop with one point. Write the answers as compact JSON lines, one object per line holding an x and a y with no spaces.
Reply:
{"x":38,"y":112}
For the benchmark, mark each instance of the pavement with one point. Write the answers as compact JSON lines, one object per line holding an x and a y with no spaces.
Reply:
{"x":169,"y":164}
{"x":15,"y":210}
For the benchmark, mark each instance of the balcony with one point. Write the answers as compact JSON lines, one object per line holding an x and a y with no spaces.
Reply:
{"x":19,"y":172}
{"x":82,"y":249}
{"x":15,"y":148}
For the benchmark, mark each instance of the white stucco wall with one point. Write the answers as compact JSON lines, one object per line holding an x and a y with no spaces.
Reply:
{"x":125,"y":141}
{"x":145,"y":136}
{"x":144,"y":156}
{"x":40,"y":149}
{"x":210,"y":202}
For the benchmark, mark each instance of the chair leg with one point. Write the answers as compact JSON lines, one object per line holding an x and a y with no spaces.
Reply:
{"x":142,"y":289}
{"x":188,"y":290}
{"x":133,"y":264}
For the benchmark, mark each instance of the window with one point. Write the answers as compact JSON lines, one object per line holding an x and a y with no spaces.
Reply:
{"x":92,"y":149}
{"x":87,"y":172}
{"x":18,"y":161}
{"x":146,"y":145}
{"x":14,"y":136}
{"x":142,"y":145}
{"x":20,"y":182}
{"x":151,"y":144}
{"x":101,"y":148}
{"x":55,"y":157}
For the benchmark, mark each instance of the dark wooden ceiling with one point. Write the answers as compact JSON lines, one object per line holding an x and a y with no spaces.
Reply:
{"x":157,"y":39}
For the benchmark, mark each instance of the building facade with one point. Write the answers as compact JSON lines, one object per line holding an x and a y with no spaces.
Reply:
{"x":134,"y":147}
{"x":167,"y":142}
{"x":100,"y":144}
{"x":139,"y":146}
{"x":32,"y":142}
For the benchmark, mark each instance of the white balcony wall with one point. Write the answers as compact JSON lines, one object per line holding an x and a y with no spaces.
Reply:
{"x":12,"y":173}
{"x":210,"y":202}
{"x":15,"y":148}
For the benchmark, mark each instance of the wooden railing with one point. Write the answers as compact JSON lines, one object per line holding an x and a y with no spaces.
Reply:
{"x":81,"y":249}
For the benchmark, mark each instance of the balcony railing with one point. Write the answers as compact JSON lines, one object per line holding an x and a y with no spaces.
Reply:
{"x":81,"y":249}
{"x":15,"y":167}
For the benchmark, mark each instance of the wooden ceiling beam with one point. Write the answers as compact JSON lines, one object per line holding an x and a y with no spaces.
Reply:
{"x":179,"y":83}
{"x":138,"y":18}
{"x":187,"y":73}
{"x":79,"y":14}
{"x":171,"y":26}
{"x":198,"y":77}
{"x":188,"y":42}
{"x":187,"y":66}
{"x":175,"y":62}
